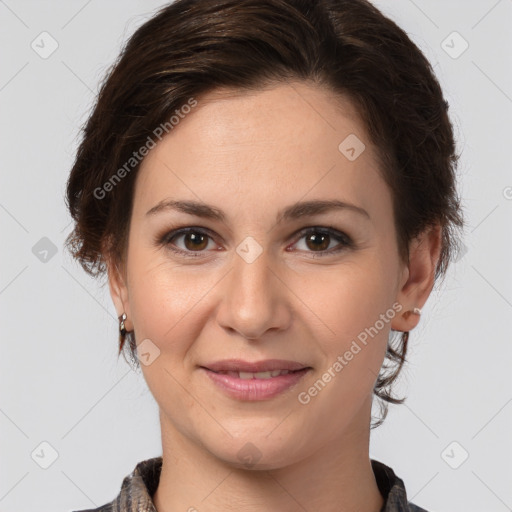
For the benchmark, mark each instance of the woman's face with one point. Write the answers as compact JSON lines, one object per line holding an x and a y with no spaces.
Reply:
{"x":312,"y":285}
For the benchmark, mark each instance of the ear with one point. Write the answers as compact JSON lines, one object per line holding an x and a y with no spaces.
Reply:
{"x":117,"y":280}
{"x":418,"y":277}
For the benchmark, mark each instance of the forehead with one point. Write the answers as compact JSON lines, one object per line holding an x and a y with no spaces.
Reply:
{"x":294,"y":114}
{"x":270,"y":143}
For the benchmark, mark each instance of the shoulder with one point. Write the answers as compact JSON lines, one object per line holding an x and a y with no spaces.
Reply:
{"x":393,"y":490}
{"x":136,"y":490}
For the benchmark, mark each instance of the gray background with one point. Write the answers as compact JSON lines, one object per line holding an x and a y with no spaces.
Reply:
{"x":60,"y":380}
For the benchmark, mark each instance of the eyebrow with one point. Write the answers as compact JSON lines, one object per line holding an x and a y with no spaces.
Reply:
{"x":295,"y":211}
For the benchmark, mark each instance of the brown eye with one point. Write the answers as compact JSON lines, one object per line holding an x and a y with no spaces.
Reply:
{"x":318,"y":241}
{"x":187,"y":241}
{"x":195,"y":241}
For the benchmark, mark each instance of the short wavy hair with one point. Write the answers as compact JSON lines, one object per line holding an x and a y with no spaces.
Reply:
{"x":191,"y":47}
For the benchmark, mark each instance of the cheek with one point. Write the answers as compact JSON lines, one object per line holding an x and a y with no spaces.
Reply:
{"x":162,"y":298}
{"x":171,"y":304}
{"x":350,"y":325}
{"x":350,"y":318}
{"x":349,"y":297}
{"x":167,"y":309}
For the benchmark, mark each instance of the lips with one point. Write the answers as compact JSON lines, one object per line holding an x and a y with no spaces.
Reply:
{"x":246,"y":386}
{"x":246,"y":367}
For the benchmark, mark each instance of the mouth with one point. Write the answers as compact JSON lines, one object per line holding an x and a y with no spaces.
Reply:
{"x":262,"y":380}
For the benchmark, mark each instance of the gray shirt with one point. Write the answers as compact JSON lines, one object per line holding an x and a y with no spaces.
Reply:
{"x":139,"y":486}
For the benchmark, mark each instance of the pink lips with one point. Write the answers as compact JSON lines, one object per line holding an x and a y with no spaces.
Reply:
{"x":255,"y":389}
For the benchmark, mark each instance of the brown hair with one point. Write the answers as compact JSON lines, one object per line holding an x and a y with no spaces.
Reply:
{"x":191,"y":47}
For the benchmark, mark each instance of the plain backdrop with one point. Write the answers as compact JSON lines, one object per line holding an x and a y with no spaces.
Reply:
{"x":74,"y":419}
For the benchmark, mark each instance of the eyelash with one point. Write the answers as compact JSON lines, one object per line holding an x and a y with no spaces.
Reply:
{"x":345,"y":240}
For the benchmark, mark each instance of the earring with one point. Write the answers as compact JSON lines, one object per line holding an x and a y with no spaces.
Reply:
{"x":122,"y":328}
{"x":122,"y":331}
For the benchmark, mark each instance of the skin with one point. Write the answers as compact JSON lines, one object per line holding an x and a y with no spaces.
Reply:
{"x":250,"y":155}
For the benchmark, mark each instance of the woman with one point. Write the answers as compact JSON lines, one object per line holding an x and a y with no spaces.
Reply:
{"x":269,"y":186}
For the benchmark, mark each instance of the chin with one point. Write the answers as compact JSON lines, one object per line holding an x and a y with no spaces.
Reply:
{"x":256,"y":453}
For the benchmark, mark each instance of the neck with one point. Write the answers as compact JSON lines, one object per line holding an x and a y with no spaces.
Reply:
{"x":337,"y":477}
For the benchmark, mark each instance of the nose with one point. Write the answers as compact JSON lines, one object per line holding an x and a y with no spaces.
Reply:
{"x":256,"y":298}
